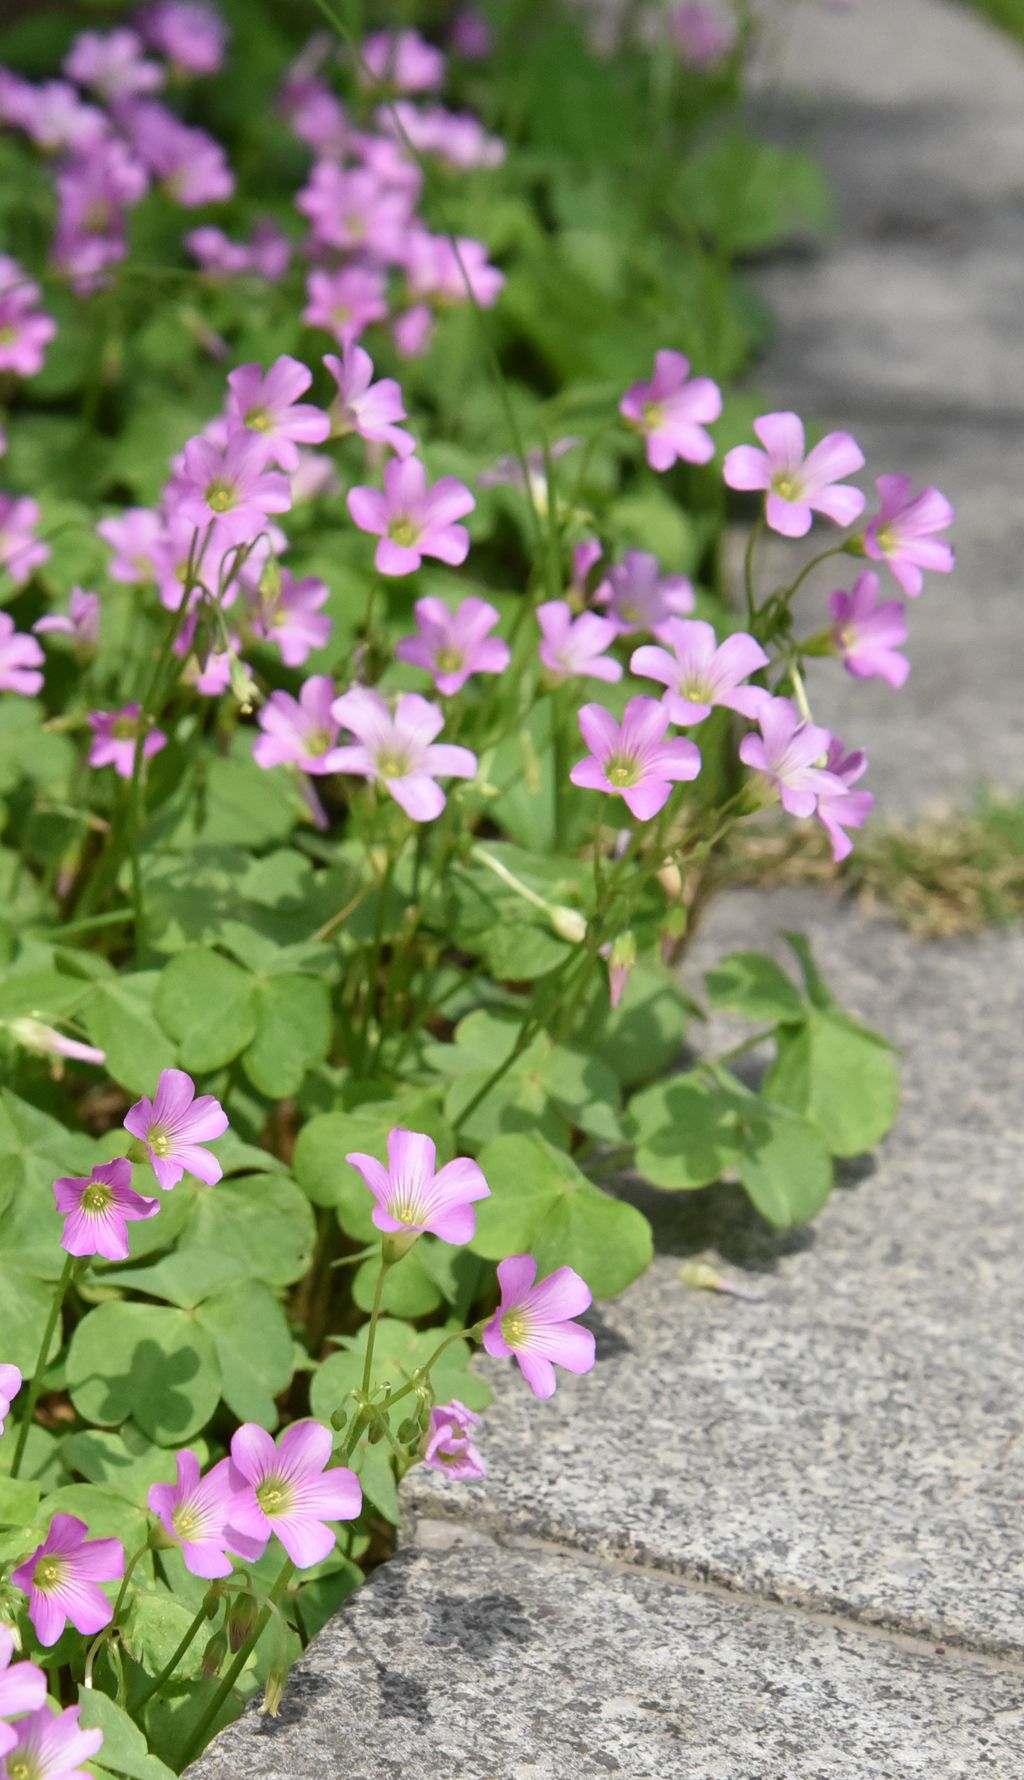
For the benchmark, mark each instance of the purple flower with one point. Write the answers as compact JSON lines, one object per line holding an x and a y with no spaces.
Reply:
{"x":531,"y":476}
{"x":351,"y":211}
{"x":701,"y":673}
{"x":411,"y":520}
{"x":533,"y":1322}
{"x":232,"y":489}
{"x":901,"y":532}
{"x":190,"y":35}
{"x":364,"y":407}
{"x":291,"y":618}
{"x":458,"y":139}
{"x":398,"y":750}
{"x":174,"y":1125}
{"x":195,"y":1512}
{"x":632,"y":759}
{"x":24,"y":331}
{"x":114,"y":738}
{"x":412,"y":330}
{"x":21,"y":553}
{"x":300,"y":730}
{"x":112,"y":64}
{"x":22,"y":1687}
{"x":266,"y":253}
{"x":288,"y":1491}
{"x":132,"y":537}
{"x":840,"y":808}
{"x":868,"y":634}
{"x":10,"y":1384}
{"x":20,"y":660}
{"x":52,"y":114}
{"x":454,"y":645}
{"x":412,"y":1198}
{"x":189,"y":164}
{"x":404,"y":63}
{"x":83,"y":622}
{"x":44,"y":1041}
{"x":346,"y":302}
{"x":639,"y":597}
{"x":62,"y":1579}
{"x":575,"y":646}
{"x":93,"y":192}
{"x":449,"y":1443}
{"x":790,"y":753}
{"x":798,"y":486}
{"x":672,"y":411}
{"x":267,"y":404}
{"x":702,"y":37}
{"x":440,"y":272}
{"x":97,"y":1211}
{"x":51,"y":1746}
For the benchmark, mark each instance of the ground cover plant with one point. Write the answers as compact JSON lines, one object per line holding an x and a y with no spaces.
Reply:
{"x":373,"y":710}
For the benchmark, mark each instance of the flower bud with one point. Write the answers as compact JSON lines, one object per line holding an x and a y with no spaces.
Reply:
{"x":409,"y":1430}
{"x":339,"y":1420}
{"x":243,"y":686}
{"x":241,"y":1621}
{"x":214,"y":1655}
{"x":273,"y":1692}
{"x":270,"y":579}
{"x":621,"y":959}
{"x":568,"y":923}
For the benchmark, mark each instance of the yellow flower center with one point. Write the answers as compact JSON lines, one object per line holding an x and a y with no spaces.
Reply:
{"x":123,"y":729}
{"x":48,"y":1574}
{"x":220,"y":496}
{"x":96,"y":1198}
{"x":8,"y":335}
{"x":652,"y":416}
{"x":159,"y":1140}
{"x":622,"y":770}
{"x":450,"y":661}
{"x":393,"y":766}
{"x":402,"y":531}
{"x":514,"y":1327}
{"x":787,"y":486}
{"x":258,"y":420}
{"x":273,"y":1496}
{"x":187,"y":1523}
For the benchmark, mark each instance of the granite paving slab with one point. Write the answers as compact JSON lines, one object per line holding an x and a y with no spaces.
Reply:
{"x":465,"y":1659}
{"x":856,"y":1440}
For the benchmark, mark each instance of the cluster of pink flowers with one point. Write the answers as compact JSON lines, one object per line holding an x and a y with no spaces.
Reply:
{"x":371,"y":257}
{"x":112,"y":139}
{"x":36,"y":1740}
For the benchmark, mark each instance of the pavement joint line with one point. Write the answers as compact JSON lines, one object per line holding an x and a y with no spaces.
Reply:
{"x":714,"y":1579}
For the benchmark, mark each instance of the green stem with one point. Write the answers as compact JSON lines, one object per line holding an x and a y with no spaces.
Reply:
{"x":169,"y":1667}
{"x":748,"y":568}
{"x":197,"y":1740}
{"x":385,"y":1268}
{"x":424,"y":1371}
{"x":37,"y":1376}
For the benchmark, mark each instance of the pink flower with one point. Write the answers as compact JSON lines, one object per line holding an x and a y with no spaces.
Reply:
{"x":267,"y":404}
{"x":364,"y":407}
{"x":83,"y":622}
{"x":346,"y":302}
{"x":114,"y":739}
{"x":412,"y":1198}
{"x":189,"y":164}
{"x":457,"y":138}
{"x":51,"y":1746}
{"x":633,"y":760}
{"x":790,"y":753}
{"x":300,"y":730}
{"x":439,"y":271}
{"x":575,"y":646}
{"x":901,"y":532}
{"x":190,"y":35}
{"x":62,"y":1579}
{"x":672,"y":412}
{"x":868,"y":634}
{"x":291,"y":618}
{"x":21,"y":553}
{"x":231,"y":489}
{"x":93,"y":193}
{"x":412,"y":330}
{"x":20,"y":660}
{"x":798,"y":486}
{"x":352,"y":212}
{"x":840,"y":808}
{"x":398,"y":750}
{"x":531,"y":476}
{"x":454,"y":645}
{"x":112,"y":64}
{"x":702,"y":37}
{"x":22,"y":1687}
{"x":701,"y":673}
{"x":449,"y":1444}
{"x":10,"y":1385}
{"x":412,"y":520}
{"x":195,"y":1512}
{"x":44,"y":1041}
{"x":404,"y":62}
{"x":131,"y":536}
{"x":52,"y":114}
{"x":97,"y":1211}
{"x":533,"y":1322}
{"x":24,"y":331}
{"x":288,"y":1491}
{"x":472,"y":36}
{"x":639,"y":597}
{"x":174,"y":1125}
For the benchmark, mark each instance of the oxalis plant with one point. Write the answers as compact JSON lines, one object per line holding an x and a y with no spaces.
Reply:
{"x":350,"y":850}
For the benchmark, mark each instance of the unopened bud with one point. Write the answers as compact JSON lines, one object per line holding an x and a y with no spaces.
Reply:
{"x":375,"y":1433}
{"x":568,"y":923}
{"x":242,"y":1616}
{"x":273,"y":1692}
{"x":339,"y":1420}
{"x":243,"y":686}
{"x":409,"y":1430}
{"x":270,"y":579}
{"x":215,"y":1655}
{"x":621,"y":959}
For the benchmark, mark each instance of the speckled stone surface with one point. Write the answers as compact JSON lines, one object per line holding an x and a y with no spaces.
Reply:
{"x":467,"y":1660}
{"x":856,"y":1440}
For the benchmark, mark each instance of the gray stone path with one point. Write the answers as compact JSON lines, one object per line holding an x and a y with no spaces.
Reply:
{"x":783,"y":1541}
